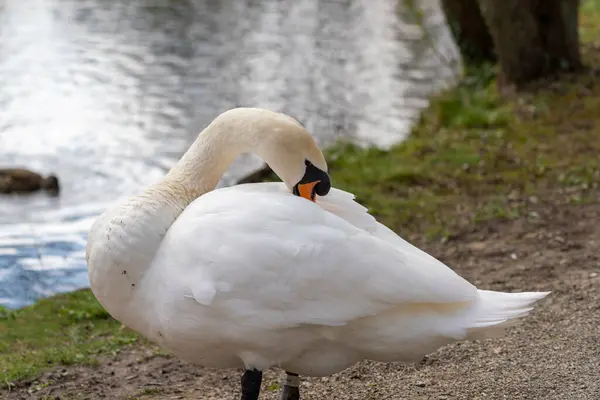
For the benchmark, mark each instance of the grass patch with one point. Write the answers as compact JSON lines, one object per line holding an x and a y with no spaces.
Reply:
{"x":474,"y":156}
{"x":589,"y":21}
{"x":66,"y":329}
{"x":479,"y":156}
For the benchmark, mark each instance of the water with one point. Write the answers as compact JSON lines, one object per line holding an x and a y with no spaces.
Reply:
{"x":109,"y":94}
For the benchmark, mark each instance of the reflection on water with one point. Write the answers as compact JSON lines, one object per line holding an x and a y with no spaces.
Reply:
{"x":108,"y":94}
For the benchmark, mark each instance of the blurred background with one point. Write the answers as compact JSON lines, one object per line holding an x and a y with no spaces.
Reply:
{"x":107,"y":95}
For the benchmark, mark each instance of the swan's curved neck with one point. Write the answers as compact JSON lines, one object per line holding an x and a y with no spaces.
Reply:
{"x":123,"y":241}
{"x":202,"y":166}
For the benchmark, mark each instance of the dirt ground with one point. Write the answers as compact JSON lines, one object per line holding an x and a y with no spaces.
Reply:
{"x":554,"y":354}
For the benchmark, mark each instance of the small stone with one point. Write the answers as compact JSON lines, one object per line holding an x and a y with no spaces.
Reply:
{"x":513,"y":256}
{"x":420,"y":384}
{"x":477,"y":245}
{"x":593,"y":275}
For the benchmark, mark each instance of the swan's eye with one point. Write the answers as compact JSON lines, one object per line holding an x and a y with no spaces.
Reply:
{"x":315,"y":181}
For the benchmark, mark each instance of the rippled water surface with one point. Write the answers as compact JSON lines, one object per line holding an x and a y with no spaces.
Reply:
{"x":109,"y":94}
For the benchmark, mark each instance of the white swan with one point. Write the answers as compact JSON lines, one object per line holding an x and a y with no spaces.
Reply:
{"x":252,"y":276}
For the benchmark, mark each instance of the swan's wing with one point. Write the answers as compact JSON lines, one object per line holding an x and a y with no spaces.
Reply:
{"x":276,"y":260}
{"x":343,"y":205}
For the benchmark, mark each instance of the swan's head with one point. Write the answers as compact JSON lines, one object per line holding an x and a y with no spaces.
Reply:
{"x":281,"y":141}
{"x":292,"y":153}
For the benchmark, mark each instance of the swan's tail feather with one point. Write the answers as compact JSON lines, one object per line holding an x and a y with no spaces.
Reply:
{"x":496,"y":311}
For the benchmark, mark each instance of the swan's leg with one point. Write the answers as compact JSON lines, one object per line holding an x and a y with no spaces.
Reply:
{"x":251,"y":381}
{"x":291,"y":387}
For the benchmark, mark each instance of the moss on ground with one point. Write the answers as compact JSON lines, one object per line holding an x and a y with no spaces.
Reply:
{"x":474,"y":156}
{"x":61,"y":330}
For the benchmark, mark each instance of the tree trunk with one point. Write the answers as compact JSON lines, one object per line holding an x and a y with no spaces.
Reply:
{"x":470,"y":30}
{"x":559,"y":27}
{"x":533,"y":38}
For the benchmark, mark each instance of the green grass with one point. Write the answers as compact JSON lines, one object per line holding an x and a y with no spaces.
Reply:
{"x":590,"y":21}
{"x":67,"y":329}
{"x":474,"y":156}
{"x":479,"y":156}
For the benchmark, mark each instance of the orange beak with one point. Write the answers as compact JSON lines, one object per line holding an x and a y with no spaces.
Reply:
{"x":307,"y":191}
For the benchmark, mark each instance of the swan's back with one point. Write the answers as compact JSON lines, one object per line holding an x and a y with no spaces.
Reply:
{"x":272,"y":279}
